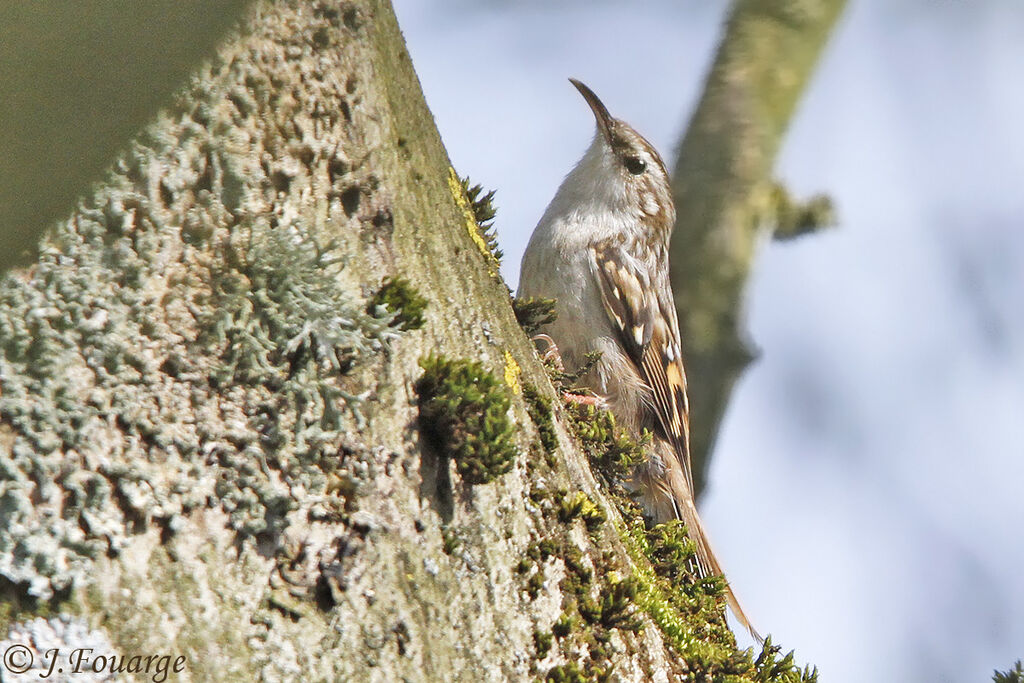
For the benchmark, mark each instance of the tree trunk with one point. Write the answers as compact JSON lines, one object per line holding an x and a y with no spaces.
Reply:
{"x":210,"y":427}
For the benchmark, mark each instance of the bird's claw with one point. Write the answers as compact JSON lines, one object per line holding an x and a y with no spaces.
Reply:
{"x":550,"y":354}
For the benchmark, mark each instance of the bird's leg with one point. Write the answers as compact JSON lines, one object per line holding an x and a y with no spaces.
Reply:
{"x":551,"y":356}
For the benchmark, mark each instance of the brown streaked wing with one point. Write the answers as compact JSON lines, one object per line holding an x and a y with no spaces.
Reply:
{"x":624,"y":291}
{"x":649,"y":332}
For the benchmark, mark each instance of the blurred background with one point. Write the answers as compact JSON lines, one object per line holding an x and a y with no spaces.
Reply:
{"x":867,"y":489}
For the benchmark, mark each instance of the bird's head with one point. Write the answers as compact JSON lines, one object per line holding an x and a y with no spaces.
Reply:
{"x":625,"y":168}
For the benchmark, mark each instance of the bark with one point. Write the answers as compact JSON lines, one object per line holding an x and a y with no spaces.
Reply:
{"x":725,"y":195}
{"x":210,"y":444}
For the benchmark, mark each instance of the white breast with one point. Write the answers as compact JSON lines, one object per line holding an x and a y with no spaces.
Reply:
{"x":556,"y":265}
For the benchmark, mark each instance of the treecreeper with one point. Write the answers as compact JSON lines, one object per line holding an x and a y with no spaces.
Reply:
{"x":601,"y":251}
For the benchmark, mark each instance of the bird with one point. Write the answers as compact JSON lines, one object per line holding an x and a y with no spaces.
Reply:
{"x":600,"y":251}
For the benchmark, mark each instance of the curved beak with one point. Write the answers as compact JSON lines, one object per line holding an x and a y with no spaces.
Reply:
{"x":604,"y":119}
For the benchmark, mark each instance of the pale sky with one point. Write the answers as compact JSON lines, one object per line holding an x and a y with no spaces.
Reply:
{"x":867,"y":490}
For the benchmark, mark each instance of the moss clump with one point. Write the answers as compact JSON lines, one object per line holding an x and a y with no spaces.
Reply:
{"x":398,"y":297}
{"x":671,"y":551}
{"x":689,"y":611}
{"x":609,"y":447}
{"x":617,"y":608}
{"x":794,"y":218}
{"x":579,"y":505}
{"x":450,"y":540}
{"x":680,"y":618}
{"x":541,"y":550}
{"x":566,"y":673}
{"x":578,"y":574}
{"x":539,"y":495}
{"x":689,"y":614}
{"x":569,"y":380}
{"x":464,"y":411}
{"x":770,"y":667}
{"x":1014,"y":675}
{"x":548,"y":548}
{"x":481,"y":204}
{"x":534,"y":313}
{"x":564,"y":625}
{"x":539,"y":409}
{"x":595,"y":602}
{"x":542,"y":640}
{"x":535,"y":584}
{"x":577,"y":584}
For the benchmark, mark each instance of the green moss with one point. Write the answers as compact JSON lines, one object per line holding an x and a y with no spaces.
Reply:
{"x":579,"y":505}
{"x":680,"y":607}
{"x":533,"y":552}
{"x":769,"y":666}
{"x":539,"y":409}
{"x":564,"y":625}
{"x":548,"y":548}
{"x":464,"y":411}
{"x":481,"y":204}
{"x":576,"y":585}
{"x":569,"y":380}
{"x":610,"y":448}
{"x":671,"y":551}
{"x":593,"y":609}
{"x":542,"y":641}
{"x":689,"y":612}
{"x":617,"y":604}
{"x":574,"y":564}
{"x":538,"y":495}
{"x":589,"y":609}
{"x":451,"y":540}
{"x":398,"y":297}
{"x":534,"y":313}
{"x":795,"y":218}
{"x":566,"y":673}
{"x":535,"y":584}
{"x":1014,"y":675}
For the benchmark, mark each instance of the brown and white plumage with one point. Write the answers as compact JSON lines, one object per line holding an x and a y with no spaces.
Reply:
{"x":601,"y":251}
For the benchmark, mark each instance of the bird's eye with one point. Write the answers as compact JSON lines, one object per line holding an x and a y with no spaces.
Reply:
{"x":635,"y":165}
